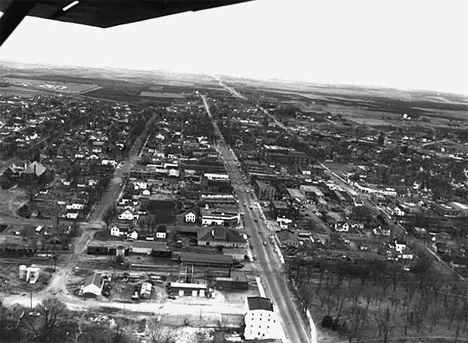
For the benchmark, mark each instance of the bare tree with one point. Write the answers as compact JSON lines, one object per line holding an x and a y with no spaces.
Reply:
{"x":47,"y":327}
{"x":356,"y":323}
{"x":158,"y":333}
{"x":108,"y":216}
{"x":385,"y":323}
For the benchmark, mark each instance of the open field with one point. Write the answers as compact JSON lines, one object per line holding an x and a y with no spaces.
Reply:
{"x":153,"y":94}
{"x":50,"y":86}
{"x":20,"y":91}
{"x":12,"y":200}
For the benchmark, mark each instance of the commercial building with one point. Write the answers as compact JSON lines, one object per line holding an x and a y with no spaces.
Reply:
{"x":260,"y":320}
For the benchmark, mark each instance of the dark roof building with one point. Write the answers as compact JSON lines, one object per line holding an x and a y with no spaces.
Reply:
{"x":221,"y":236}
{"x":259,"y":303}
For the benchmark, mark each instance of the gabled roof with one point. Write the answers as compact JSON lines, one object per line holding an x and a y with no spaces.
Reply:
{"x":94,"y":279}
{"x":35,"y":168}
{"x":220,"y":234}
{"x":259,"y":303}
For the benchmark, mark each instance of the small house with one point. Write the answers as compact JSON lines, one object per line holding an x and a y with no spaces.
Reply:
{"x":190,"y":217}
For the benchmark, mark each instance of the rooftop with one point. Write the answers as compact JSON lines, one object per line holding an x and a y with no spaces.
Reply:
{"x":259,"y":303}
{"x":205,"y":258}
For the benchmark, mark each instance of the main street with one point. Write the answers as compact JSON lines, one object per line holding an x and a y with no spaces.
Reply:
{"x":269,"y":264}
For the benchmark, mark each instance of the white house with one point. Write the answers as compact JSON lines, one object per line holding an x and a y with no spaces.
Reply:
{"x":190,"y":217}
{"x":342,"y":227}
{"x":93,"y":285}
{"x":127,"y":215}
{"x":77,"y":204}
{"x":118,"y":232}
{"x":260,"y":320}
{"x":140,"y":185}
{"x":72,"y":214}
{"x":379,"y":231}
{"x":145,"y":193}
{"x":406,"y":255}
{"x":400,"y":246}
{"x":161,"y":232}
{"x":397,"y":211}
{"x":217,"y":176}
{"x":105,"y":162}
{"x":133,"y":235}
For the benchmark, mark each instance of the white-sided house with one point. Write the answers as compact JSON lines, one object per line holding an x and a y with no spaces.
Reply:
{"x":127,"y":215}
{"x":77,"y":204}
{"x":381,"y":231}
{"x":217,"y":176}
{"x":106,"y":162}
{"x":118,"y":232}
{"x":93,"y":285}
{"x":261,"y":322}
{"x":72,"y":214}
{"x":190,"y":217}
{"x":397,"y":211}
{"x":342,"y":227}
{"x":145,"y":193}
{"x":406,"y":255}
{"x":161,"y":232}
{"x":133,"y":235}
{"x":140,"y":185}
{"x":400,"y":245}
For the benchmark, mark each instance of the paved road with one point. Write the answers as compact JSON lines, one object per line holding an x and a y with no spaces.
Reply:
{"x":269,"y":264}
{"x":229,"y":89}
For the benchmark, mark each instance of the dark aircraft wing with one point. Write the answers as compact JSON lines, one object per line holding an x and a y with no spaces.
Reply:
{"x":100,"y":13}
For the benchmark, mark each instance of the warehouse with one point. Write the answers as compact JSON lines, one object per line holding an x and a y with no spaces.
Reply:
{"x":206,"y":260}
{"x":237,"y":281}
{"x":188,"y":289}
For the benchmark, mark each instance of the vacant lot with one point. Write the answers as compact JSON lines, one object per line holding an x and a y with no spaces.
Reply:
{"x":12,"y":200}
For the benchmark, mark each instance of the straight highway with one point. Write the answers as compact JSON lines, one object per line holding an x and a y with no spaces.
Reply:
{"x":269,"y":264}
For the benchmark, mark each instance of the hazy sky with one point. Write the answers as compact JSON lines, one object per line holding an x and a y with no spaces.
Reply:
{"x":396,"y":43}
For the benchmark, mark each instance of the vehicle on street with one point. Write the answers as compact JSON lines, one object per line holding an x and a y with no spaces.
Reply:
{"x":264,"y":243}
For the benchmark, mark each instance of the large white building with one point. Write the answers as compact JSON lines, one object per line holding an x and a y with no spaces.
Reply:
{"x":220,"y":215}
{"x":261,"y":322}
